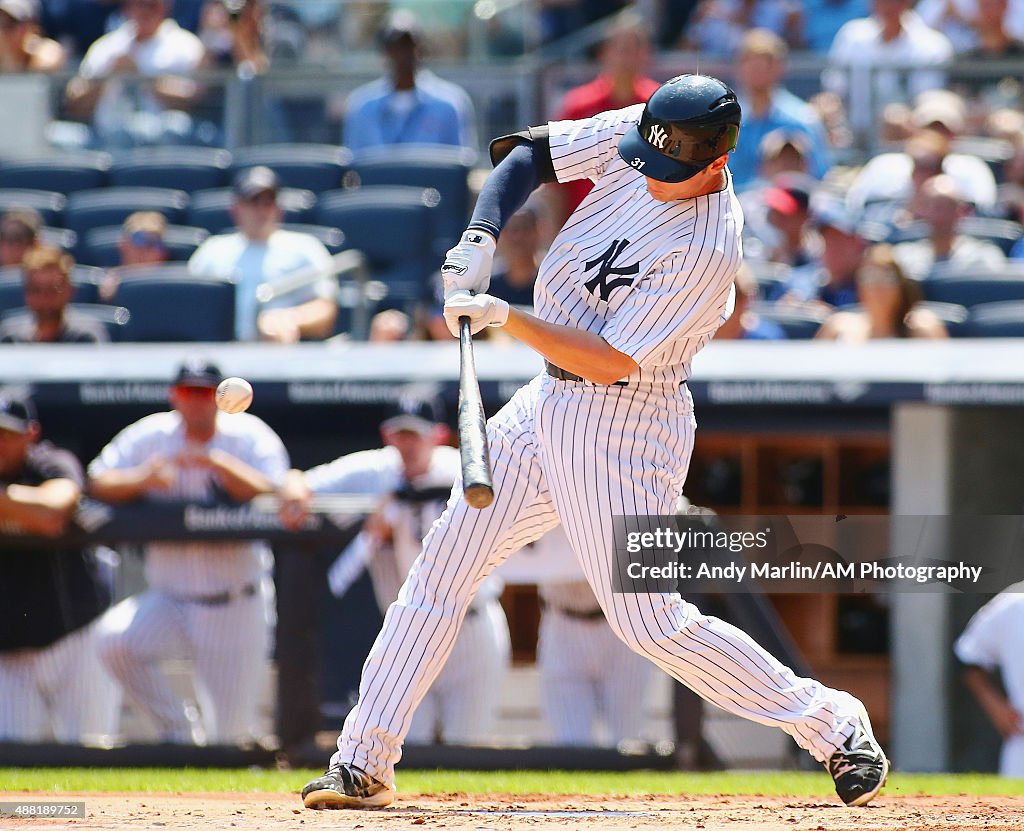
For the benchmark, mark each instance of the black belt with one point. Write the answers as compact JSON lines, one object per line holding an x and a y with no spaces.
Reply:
{"x":221,"y":598}
{"x":565,"y":375}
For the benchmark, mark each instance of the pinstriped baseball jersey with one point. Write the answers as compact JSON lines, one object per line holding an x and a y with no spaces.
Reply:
{"x":190,"y":568}
{"x":658,"y":288}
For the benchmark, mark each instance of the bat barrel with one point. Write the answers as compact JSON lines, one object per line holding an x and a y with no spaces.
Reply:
{"x":477,"y":485}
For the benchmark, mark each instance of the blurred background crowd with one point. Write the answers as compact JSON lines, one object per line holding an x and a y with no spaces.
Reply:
{"x":881,"y":163}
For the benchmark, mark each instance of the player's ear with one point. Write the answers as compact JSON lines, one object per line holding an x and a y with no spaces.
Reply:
{"x":718,"y":165}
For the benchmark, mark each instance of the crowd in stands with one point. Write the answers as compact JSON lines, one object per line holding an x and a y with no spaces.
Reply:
{"x":944,"y":195}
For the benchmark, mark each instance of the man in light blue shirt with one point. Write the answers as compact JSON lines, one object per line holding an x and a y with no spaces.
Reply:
{"x":410,"y":105}
{"x":768,"y":106}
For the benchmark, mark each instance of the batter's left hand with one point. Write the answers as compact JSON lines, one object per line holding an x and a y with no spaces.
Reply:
{"x":483,"y":310}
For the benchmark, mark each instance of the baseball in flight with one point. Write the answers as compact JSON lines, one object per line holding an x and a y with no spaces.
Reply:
{"x":234,"y":395}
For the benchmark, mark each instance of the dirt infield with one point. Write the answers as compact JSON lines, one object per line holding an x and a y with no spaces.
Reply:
{"x":269,"y":812}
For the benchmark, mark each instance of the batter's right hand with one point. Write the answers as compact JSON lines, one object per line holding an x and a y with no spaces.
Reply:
{"x":467,"y":267}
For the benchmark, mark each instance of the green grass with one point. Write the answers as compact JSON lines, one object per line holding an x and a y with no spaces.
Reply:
{"x":57,"y":780}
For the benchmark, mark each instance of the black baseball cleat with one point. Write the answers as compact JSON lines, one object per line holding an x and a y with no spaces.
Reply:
{"x":859,"y":767}
{"x":344,"y":786}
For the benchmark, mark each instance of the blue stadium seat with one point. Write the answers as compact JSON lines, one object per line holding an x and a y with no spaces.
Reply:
{"x":168,"y":305}
{"x":1001,"y":232}
{"x":58,"y":238}
{"x":772,"y":278}
{"x":111,"y":206}
{"x":113,"y":318}
{"x":394,"y":227}
{"x":315,"y":167}
{"x":972,"y":288}
{"x":85,"y":279}
{"x":332,"y":238}
{"x":445,"y":169}
{"x":100,"y":246}
{"x":68,"y":172}
{"x":183,"y":168}
{"x":49,"y":203}
{"x":211,"y":209}
{"x":798,"y":322}
{"x":996,"y":320}
{"x":953,"y":315}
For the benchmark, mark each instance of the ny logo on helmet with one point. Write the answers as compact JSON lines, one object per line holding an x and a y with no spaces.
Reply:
{"x":657,"y":136}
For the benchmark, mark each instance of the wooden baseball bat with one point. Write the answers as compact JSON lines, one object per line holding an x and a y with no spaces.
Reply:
{"x":477,"y":484}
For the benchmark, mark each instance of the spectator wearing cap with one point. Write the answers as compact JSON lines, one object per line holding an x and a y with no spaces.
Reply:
{"x":52,"y":685}
{"x":768,"y":106}
{"x":888,"y":308}
{"x":788,"y":203}
{"x":23,"y":47}
{"x":261,"y":253}
{"x":783,"y":152}
{"x":745,"y":323}
{"x":893,"y":55}
{"x":46,"y":276}
{"x":831,"y":278}
{"x":208,"y":602}
{"x":19,"y":233}
{"x":141,"y":243}
{"x":941,"y":206}
{"x":409,"y":105}
{"x":412,"y":475}
{"x":894,"y":177}
{"x":624,"y":56}
{"x":136,"y":83}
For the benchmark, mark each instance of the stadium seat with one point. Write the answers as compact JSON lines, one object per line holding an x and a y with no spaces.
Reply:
{"x":49,"y":203}
{"x":315,"y":167}
{"x":1001,"y":232}
{"x":111,"y":206}
{"x":58,"y":237}
{"x":798,"y":322}
{"x":100,"y":246}
{"x":183,"y":168}
{"x":445,"y":169}
{"x":953,"y":315}
{"x":166,"y":304}
{"x":332,"y":238}
{"x":85,"y":279}
{"x":996,"y":320}
{"x":772,"y":278}
{"x":394,"y":228}
{"x":68,"y":172}
{"x":211,"y":209}
{"x":113,"y":318}
{"x":972,"y":288}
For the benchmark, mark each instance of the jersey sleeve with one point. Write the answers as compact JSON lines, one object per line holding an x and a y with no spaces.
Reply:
{"x":366,"y":472}
{"x":267,"y":452}
{"x":128,"y":448}
{"x":583,"y":149}
{"x":687,"y":296}
{"x":980,"y":642}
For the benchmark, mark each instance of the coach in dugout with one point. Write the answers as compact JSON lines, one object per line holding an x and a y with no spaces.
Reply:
{"x":52,"y":684}
{"x":261,"y":252}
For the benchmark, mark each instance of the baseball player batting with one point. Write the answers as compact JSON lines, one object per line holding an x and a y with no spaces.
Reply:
{"x":635,"y":284}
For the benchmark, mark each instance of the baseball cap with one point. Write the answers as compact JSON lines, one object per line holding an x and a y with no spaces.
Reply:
{"x":787,"y":196}
{"x":420,"y":415}
{"x":399,"y":24}
{"x":253,"y":181}
{"x":198,"y":372}
{"x":773,"y":143}
{"x":940,"y":107}
{"x":20,"y":9}
{"x":16,"y":413}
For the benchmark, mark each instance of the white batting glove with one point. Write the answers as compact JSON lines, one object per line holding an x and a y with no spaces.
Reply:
{"x":483,"y":310}
{"x":467,"y":266}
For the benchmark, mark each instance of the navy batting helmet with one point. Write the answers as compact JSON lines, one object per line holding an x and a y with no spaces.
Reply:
{"x":688,"y":122}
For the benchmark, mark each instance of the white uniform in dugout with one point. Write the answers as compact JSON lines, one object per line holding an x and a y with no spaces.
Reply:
{"x":459,"y":708}
{"x":211,"y":602}
{"x":639,"y":279}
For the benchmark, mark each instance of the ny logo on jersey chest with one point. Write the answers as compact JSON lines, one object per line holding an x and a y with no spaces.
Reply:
{"x":605,"y":264}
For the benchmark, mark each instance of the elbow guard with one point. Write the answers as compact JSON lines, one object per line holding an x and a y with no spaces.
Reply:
{"x":537,"y":138}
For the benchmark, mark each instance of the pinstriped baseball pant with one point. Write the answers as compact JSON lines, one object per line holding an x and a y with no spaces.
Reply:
{"x":578,"y":454}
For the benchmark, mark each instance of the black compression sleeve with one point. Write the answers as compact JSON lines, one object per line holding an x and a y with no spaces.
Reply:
{"x":506,"y":190}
